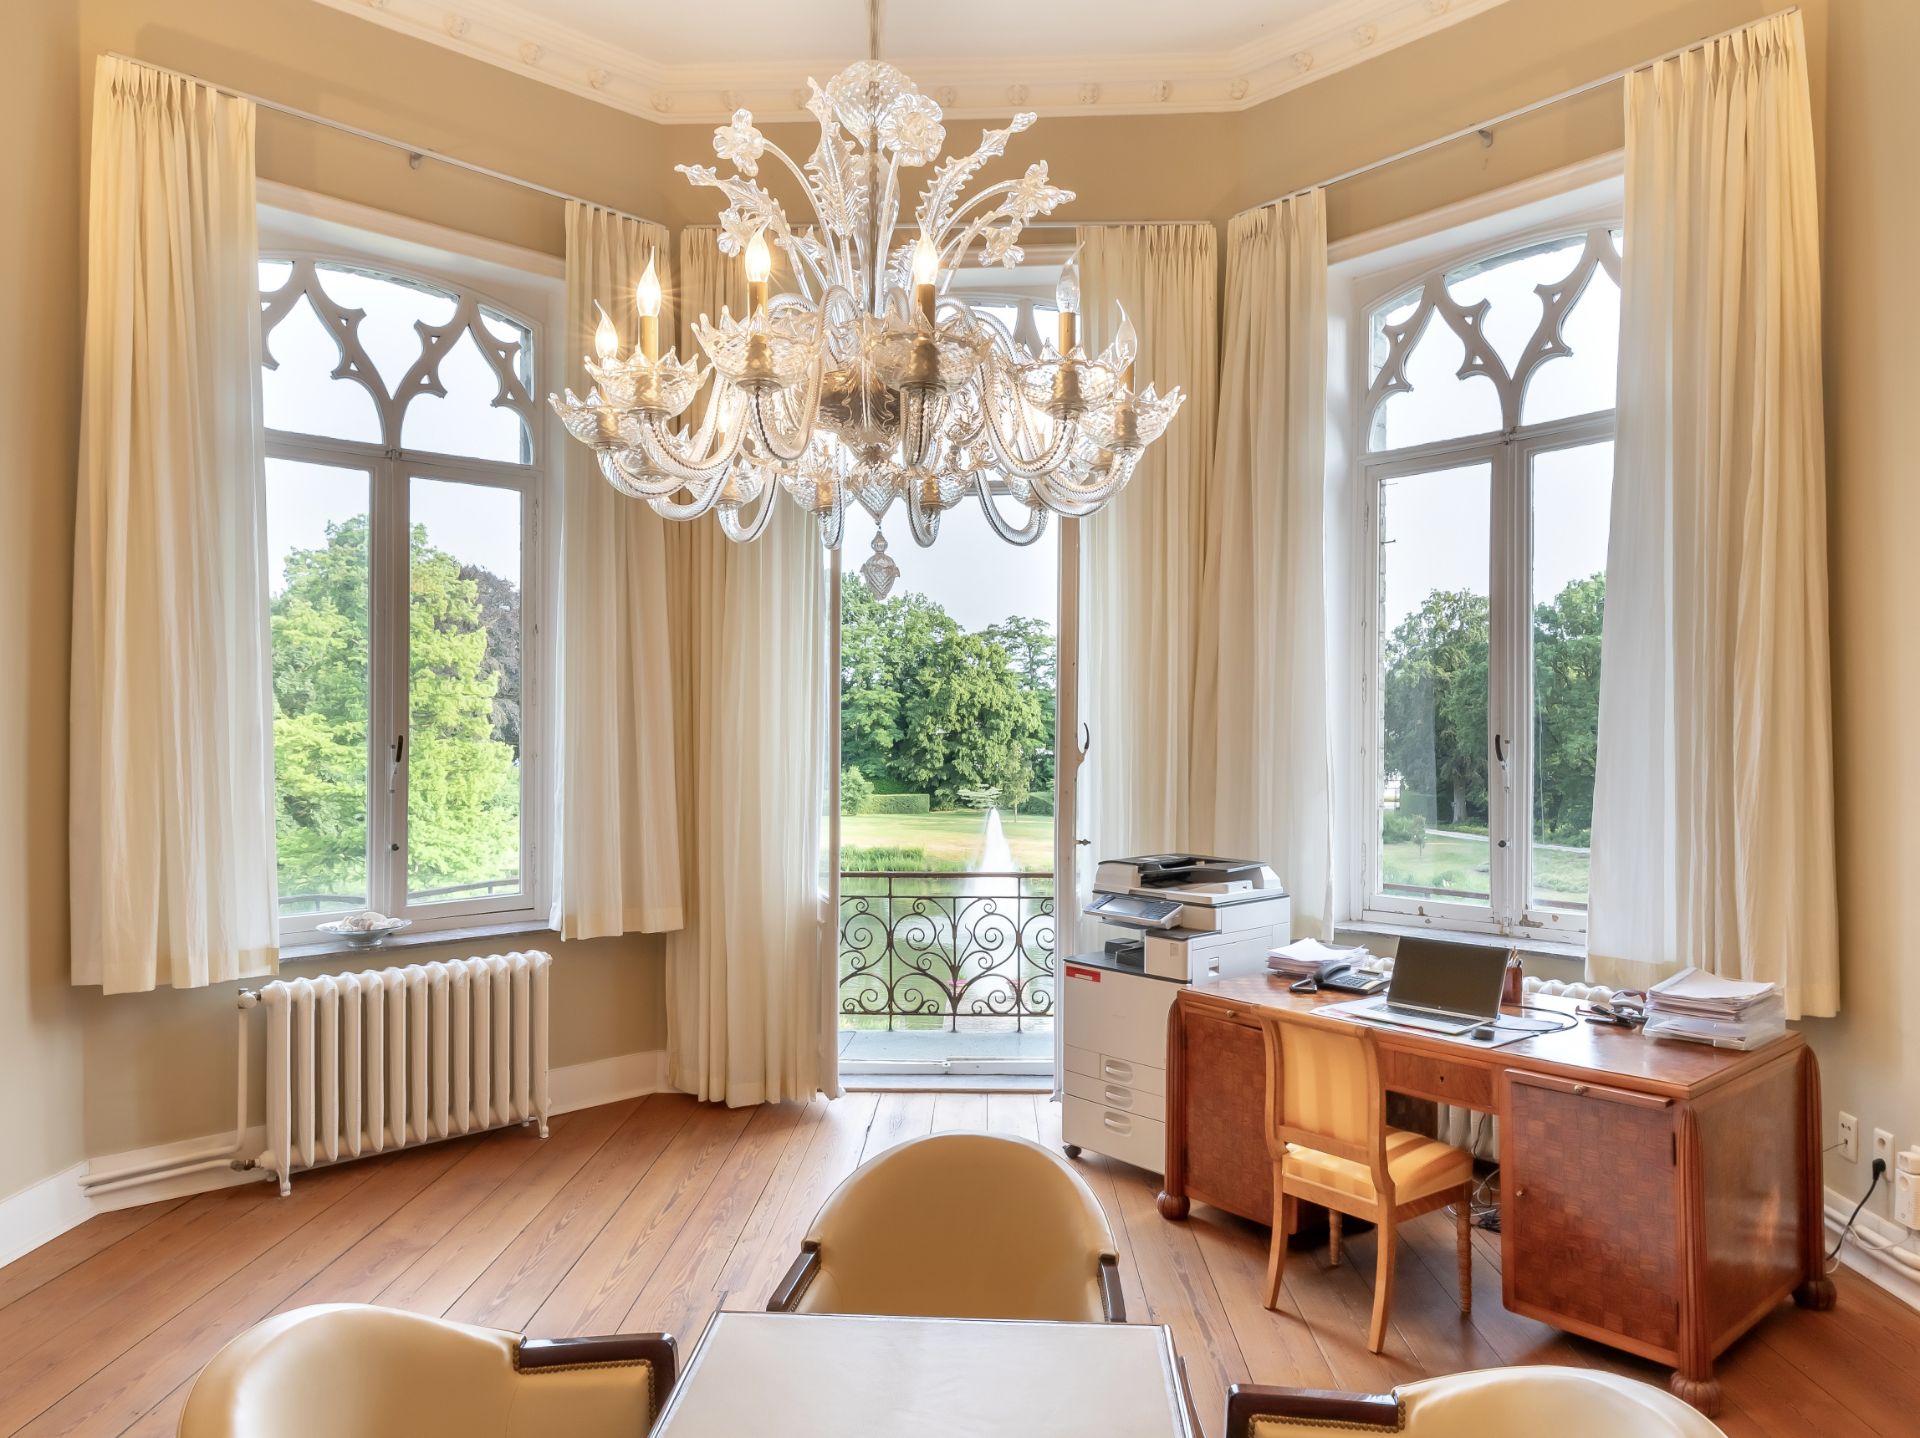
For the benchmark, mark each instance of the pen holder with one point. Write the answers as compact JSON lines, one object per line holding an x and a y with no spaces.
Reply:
{"x":1512,"y":994}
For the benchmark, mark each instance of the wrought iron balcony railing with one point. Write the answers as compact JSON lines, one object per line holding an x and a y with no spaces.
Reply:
{"x":959,"y":952}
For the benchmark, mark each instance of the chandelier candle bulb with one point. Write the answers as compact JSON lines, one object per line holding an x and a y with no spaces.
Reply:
{"x":926,"y":269}
{"x":759,"y":269}
{"x":646,"y":298}
{"x":606,"y":339}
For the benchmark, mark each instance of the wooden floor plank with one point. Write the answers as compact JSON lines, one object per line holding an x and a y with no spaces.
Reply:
{"x":520,"y":1279}
{"x":1013,"y":1113}
{"x":832,"y":1154}
{"x":596,"y":1294}
{"x":898,"y":1117}
{"x":97,"y":1388}
{"x":434,"y":1282}
{"x":650,"y":1214}
{"x":42,"y":1265}
{"x":683,"y":1289}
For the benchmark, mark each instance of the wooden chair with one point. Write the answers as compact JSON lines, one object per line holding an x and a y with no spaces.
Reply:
{"x":1328,"y":1136}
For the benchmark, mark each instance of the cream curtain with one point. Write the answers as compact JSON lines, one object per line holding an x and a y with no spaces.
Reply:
{"x":1713,"y":802}
{"x":751,"y":979}
{"x":1141,"y":557}
{"x":1261,"y":725}
{"x":619,"y":851}
{"x":172,"y":822}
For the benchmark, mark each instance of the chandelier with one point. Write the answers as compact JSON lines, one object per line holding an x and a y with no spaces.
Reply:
{"x":870,"y":380}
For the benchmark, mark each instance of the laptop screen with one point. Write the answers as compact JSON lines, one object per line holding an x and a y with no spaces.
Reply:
{"x":1460,"y":978}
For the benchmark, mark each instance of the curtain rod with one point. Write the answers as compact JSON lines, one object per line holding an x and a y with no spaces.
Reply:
{"x":1484,"y":126}
{"x":414,"y":153}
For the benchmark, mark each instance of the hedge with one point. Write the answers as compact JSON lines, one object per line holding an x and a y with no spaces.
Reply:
{"x":898,"y":804}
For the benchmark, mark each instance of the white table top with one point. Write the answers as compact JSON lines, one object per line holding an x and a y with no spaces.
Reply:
{"x":794,"y":1375}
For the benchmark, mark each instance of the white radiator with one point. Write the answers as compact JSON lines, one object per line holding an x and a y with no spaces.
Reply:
{"x":360,"y":1064}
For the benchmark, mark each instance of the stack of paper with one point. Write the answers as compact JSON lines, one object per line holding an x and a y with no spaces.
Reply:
{"x":1731,"y":1013}
{"x":1305,"y":958}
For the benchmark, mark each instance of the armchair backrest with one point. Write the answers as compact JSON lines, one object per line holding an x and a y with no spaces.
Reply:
{"x":961,"y":1225}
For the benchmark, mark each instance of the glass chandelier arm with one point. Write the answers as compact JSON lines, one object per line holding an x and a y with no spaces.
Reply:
{"x":1035,"y":526}
{"x":746,"y":533}
{"x":790,"y":444}
{"x":704,"y":498}
{"x":697,"y":468}
{"x":634,"y":479}
{"x":1006,"y":450}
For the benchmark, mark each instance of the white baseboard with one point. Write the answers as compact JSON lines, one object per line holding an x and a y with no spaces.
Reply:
{"x":608,"y":1080}
{"x":1878,"y":1268}
{"x":43,"y":1211}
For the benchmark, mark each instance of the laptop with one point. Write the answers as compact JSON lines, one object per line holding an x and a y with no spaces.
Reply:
{"x":1441,"y":987}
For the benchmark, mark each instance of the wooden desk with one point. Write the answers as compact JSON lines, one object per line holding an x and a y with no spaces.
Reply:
{"x":1660,"y":1197}
{"x":819,"y":1376}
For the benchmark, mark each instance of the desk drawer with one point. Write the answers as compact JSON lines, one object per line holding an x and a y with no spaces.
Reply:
{"x":1443,"y":1080}
{"x":1125,"y":1097}
{"x":1129,"y":1137}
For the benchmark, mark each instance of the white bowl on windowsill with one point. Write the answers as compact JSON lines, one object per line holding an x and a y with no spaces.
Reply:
{"x":359,"y":935}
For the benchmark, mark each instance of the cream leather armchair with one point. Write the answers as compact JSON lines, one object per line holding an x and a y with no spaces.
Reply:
{"x":351,"y":1371}
{"x":959,"y":1225}
{"x":1494,"y":1403}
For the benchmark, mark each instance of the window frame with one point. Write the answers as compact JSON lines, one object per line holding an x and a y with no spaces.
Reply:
{"x":528,"y":290}
{"x":1584,"y":200}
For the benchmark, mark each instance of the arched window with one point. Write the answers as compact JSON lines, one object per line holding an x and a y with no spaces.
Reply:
{"x":1484,"y":455}
{"x":406,"y":460}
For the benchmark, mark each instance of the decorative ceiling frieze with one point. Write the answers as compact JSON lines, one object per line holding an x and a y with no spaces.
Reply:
{"x":514,"y":35}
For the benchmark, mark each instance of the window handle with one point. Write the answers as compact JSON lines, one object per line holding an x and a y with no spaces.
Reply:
{"x":398,"y":757}
{"x":1500,"y":748}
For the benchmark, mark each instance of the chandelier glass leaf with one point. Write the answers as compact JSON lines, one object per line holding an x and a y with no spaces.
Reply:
{"x":869,"y":380}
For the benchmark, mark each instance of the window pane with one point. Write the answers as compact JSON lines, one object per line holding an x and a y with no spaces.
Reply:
{"x":1433,"y":665}
{"x":1582,"y":382}
{"x":299,"y":393}
{"x":1572,"y":489}
{"x":465,"y":421}
{"x":1441,"y":405}
{"x":463,"y":750}
{"x":1509,"y":284}
{"x":318,"y":571}
{"x":390,"y":308}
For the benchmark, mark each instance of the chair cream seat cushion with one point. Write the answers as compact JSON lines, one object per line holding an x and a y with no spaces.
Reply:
{"x":1419,"y":1166}
{"x":961,"y":1225}
{"x":1521,"y":1403}
{"x":351,"y":1371}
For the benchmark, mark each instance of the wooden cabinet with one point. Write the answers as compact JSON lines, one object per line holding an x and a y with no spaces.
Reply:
{"x":1590,"y":1234}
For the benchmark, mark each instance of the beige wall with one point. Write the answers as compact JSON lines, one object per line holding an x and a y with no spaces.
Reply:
{"x":156,"y":1067}
{"x":39,"y":417}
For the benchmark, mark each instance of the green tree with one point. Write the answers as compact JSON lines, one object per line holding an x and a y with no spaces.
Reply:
{"x":856,"y":790}
{"x":1435,"y":700}
{"x":1436,"y":705}
{"x":462,"y":772}
{"x":1566,"y":707}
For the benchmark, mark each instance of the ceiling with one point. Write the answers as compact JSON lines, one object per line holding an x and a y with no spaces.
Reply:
{"x":696,"y":61}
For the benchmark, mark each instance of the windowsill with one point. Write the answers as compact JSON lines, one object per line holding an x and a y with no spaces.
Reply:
{"x":1542,"y":958}
{"x":327,"y":947}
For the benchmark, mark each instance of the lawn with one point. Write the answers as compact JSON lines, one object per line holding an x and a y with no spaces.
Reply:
{"x":1460,"y":862}
{"x":950,"y":839}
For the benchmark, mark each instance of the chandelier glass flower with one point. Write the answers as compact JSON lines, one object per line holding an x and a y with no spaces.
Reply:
{"x":869,"y":381}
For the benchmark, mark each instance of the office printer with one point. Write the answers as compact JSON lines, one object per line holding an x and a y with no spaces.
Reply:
{"x":1183,"y":918}
{"x":1199,"y":916}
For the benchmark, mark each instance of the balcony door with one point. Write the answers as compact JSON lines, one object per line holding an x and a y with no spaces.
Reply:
{"x":949,"y":787}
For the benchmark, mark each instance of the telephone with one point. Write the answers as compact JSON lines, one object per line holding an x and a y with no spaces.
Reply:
{"x":1345,"y":978}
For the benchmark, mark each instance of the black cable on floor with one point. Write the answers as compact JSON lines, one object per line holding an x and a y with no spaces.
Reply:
{"x":1879,"y":1168}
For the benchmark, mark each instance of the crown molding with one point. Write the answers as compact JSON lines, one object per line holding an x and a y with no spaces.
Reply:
{"x":510,"y":35}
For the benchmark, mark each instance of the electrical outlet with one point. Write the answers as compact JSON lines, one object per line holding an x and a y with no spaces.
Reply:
{"x":1849,"y":1137}
{"x":1883,"y":1148}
